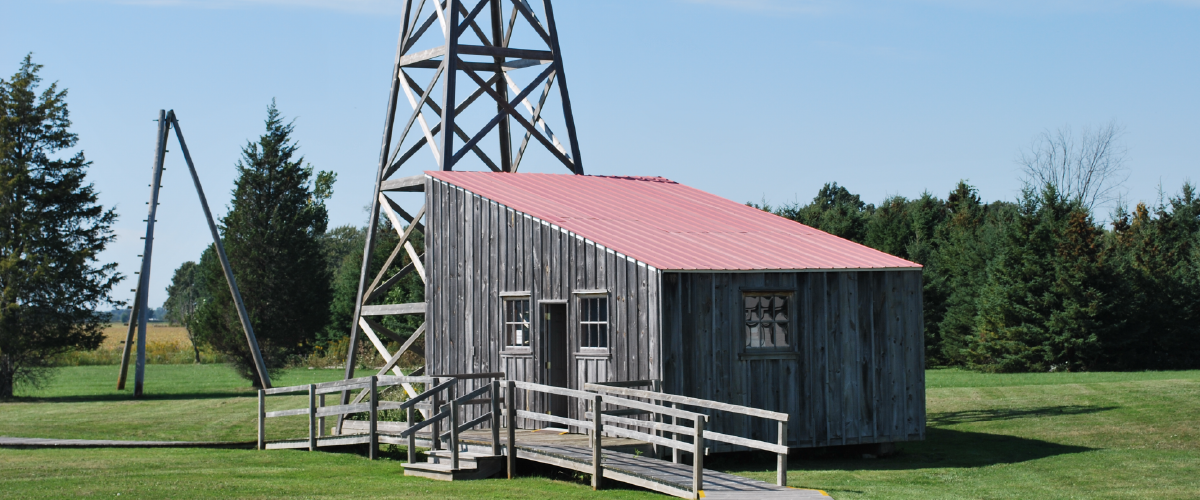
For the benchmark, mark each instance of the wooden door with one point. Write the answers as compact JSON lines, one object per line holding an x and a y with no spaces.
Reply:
{"x":554,"y":326}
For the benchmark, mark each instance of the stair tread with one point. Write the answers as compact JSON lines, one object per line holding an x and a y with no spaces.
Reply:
{"x":440,"y":467}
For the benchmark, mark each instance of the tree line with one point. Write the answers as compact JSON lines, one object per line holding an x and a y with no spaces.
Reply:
{"x":1037,"y":284}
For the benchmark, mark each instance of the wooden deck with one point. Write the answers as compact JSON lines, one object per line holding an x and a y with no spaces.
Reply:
{"x":622,"y":464}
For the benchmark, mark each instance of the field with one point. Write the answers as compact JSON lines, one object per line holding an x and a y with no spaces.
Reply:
{"x":1052,"y":435}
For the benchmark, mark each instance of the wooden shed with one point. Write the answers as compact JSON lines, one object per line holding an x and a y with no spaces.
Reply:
{"x":570,"y":279}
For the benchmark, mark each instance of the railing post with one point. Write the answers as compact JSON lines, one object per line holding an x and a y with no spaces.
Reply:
{"x":321,"y":419}
{"x":373,"y":452}
{"x":510,"y":413}
{"x":454,"y":434}
{"x":412,"y":438}
{"x":262,"y":419}
{"x":781,"y":466}
{"x":312,"y":417}
{"x":656,"y":386}
{"x":495,"y":418}
{"x":698,"y":457}
{"x":674,"y":450}
{"x":597,"y":431}
{"x":436,"y":442}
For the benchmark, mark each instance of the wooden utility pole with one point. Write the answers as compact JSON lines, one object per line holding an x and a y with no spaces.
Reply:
{"x":140,"y":311}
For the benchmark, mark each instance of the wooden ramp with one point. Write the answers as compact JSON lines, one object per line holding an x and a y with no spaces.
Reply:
{"x":623,"y":464}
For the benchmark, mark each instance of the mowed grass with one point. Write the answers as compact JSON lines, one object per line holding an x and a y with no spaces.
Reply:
{"x":1051,"y":435}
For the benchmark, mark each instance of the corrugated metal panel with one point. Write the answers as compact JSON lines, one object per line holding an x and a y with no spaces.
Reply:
{"x":671,"y":226}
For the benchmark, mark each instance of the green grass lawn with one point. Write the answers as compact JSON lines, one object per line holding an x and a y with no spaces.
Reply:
{"x":1052,"y":435}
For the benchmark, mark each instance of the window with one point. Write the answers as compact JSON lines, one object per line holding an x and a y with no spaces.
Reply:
{"x":516,"y":322}
{"x":593,"y":322}
{"x":767,"y":318}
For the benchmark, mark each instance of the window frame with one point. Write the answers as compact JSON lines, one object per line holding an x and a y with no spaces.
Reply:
{"x":506,"y":347}
{"x":791,"y":328}
{"x":581,"y":349}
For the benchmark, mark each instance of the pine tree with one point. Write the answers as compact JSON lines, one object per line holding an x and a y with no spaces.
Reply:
{"x":1045,"y":304}
{"x":834,"y":210}
{"x":183,"y":296}
{"x":51,"y":233}
{"x":271,"y":234}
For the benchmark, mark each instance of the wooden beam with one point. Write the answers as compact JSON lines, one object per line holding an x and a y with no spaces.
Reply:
{"x":394,"y":309}
{"x":508,"y":107}
{"x":460,"y":108}
{"x":416,"y":260}
{"x":479,"y":50}
{"x":412,"y":184}
{"x":385,"y":204}
{"x":395,"y":252}
{"x":374,"y":293}
{"x":423,"y":55}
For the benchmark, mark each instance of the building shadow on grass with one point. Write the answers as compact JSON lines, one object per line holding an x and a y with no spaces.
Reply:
{"x":962,"y":417}
{"x":942,"y":448}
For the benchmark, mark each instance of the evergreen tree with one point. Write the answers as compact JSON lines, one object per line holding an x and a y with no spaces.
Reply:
{"x":183,"y":296}
{"x":1044,"y":305}
{"x":834,"y":210}
{"x":1156,"y":258}
{"x":51,"y":233}
{"x":272,"y":237}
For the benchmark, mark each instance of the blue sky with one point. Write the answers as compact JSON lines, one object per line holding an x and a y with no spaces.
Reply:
{"x":751,"y":100}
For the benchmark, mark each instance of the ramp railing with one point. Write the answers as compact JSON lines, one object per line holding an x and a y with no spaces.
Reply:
{"x":317,"y":411}
{"x":780,"y":448}
{"x":595,"y":425}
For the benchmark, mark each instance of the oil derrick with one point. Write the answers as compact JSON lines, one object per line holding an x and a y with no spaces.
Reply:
{"x":498,"y":69}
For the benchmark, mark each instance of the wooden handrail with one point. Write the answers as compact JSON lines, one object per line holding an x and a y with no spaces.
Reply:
{"x":672,"y":398}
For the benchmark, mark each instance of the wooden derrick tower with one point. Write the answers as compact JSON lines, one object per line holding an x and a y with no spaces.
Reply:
{"x":496,"y":65}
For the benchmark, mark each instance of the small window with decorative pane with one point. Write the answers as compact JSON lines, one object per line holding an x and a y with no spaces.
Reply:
{"x":516,"y":322}
{"x":768,"y":320}
{"x":593,"y":322}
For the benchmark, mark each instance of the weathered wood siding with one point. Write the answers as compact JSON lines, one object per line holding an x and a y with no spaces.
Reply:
{"x":477,"y":248}
{"x":857,"y":372}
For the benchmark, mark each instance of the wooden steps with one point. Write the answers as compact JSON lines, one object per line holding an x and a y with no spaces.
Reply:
{"x":470,"y":466}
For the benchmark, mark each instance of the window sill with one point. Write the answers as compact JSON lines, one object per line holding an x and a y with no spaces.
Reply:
{"x":763,"y":355}
{"x":592,"y":353}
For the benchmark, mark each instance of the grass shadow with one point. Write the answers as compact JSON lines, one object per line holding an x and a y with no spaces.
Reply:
{"x":991,"y":415}
{"x":101,"y":398}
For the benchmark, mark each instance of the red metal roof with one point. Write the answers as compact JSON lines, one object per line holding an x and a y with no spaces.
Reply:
{"x":669,"y":225}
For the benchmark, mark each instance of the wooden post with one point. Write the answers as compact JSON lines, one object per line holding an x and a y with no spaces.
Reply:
{"x":143,"y":289}
{"x":321,"y":420}
{"x":597,"y":431}
{"x":510,"y":413}
{"x":260,"y":367}
{"x":312,"y":417}
{"x":412,"y":438}
{"x":674,"y":451}
{"x":495,"y":418}
{"x":373,"y":452}
{"x":454,"y":435}
{"x":262,"y":419}
{"x":656,"y":386}
{"x":698,"y":457}
{"x":781,"y":466}
{"x":436,"y":441}
{"x":133,"y":313}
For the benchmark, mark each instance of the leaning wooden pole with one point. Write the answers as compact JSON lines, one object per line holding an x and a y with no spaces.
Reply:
{"x":128,"y":346}
{"x":143,"y":311}
{"x":264,"y":378}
